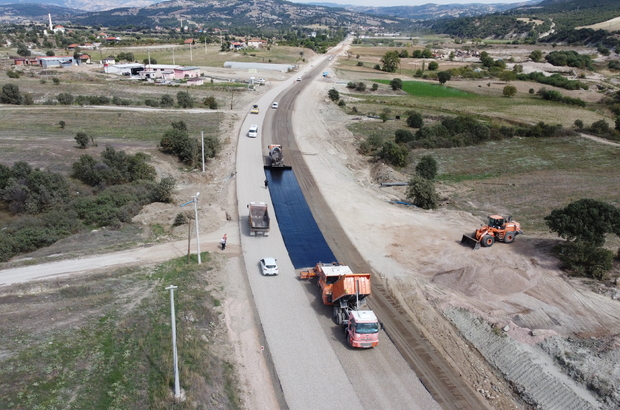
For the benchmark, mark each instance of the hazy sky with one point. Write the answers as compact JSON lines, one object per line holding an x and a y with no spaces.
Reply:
{"x":387,"y":3}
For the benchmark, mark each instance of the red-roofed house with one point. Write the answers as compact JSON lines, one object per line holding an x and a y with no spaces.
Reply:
{"x":257,"y":43}
{"x":72,"y":46}
{"x":59,"y":29}
{"x":189,"y":41}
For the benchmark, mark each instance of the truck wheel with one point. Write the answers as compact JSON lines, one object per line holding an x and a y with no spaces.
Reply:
{"x":509,"y":237}
{"x":487,"y":241}
{"x":335,"y":311}
{"x":339,"y":318}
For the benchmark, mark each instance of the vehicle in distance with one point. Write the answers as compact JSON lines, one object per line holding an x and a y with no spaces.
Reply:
{"x":269,"y":266}
{"x":254,"y":109}
{"x":274,"y":105}
{"x":298,"y":78}
{"x":253,"y":132}
{"x":261,"y":81}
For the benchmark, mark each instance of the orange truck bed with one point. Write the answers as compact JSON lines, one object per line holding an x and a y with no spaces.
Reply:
{"x":347,"y":286}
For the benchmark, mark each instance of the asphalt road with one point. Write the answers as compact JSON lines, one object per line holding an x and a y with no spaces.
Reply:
{"x":315,"y":367}
{"x":383,"y":377}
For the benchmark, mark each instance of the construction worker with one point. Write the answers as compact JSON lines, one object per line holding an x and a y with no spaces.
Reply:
{"x":266,"y":183}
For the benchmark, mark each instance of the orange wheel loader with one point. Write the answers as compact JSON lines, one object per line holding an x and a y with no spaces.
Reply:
{"x":499,"y":228}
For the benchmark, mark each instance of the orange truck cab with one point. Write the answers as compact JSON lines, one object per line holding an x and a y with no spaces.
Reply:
{"x":362,"y":329}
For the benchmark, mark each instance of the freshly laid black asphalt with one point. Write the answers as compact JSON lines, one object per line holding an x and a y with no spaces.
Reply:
{"x":303,"y":239}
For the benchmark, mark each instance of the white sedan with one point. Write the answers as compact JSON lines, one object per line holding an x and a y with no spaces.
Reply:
{"x":253,"y":132}
{"x":269,"y":266}
{"x":274,"y":105}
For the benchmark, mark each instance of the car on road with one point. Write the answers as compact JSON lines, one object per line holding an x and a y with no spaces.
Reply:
{"x":268,"y":266}
{"x":261,"y":81}
{"x":298,"y":78}
{"x":274,"y":105}
{"x":253,"y":132}
{"x":254,"y":109}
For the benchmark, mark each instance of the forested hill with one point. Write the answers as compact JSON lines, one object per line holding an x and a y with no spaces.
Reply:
{"x":524,"y":22}
{"x":36,"y":11}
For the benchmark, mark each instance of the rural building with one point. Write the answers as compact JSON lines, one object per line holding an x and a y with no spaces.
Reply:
{"x":56,"y":61}
{"x":237,"y":45}
{"x":257,"y":43}
{"x":195,"y":81}
{"x":84,"y":59}
{"x":189,"y":41}
{"x":151,"y":74}
{"x":108,"y":60}
{"x":124,"y":69}
{"x":283,"y":68}
{"x":186,"y":72}
{"x":59,"y":29}
{"x":25,"y":61}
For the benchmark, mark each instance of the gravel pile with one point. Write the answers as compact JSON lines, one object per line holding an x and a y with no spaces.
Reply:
{"x":538,"y":380}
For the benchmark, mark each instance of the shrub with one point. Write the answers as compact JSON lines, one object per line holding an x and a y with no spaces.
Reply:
{"x":82,"y":139}
{"x":415,"y":120}
{"x":151,"y":103}
{"x":184,"y":99}
{"x":351,"y":85}
{"x":444,"y":76}
{"x":210,"y":102}
{"x":509,"y":91}
{"x":56,"y":80}
{"x":427,"y":167}
{"x":333,"y":94}
{"x":375,"y":87}
{"x":394,"y":154}
{"x":163,"y":191}
{"x":585,"y":259}
{"x":360,"y":64}
{"x":166,"y":101}
{"x":396,"y":84}
{"x":403,"y":136}
{"x":341,"y":103}
{"x":422,"y":192}
{"x":12,"y":74}
{"x":360,"y":87}
{"x":578,"y":124}
{"x":433,"y":65}
{"x":377,"y":67}
{"x":65,"y":98}
{"x":600,"y":127}
{"x":10,"y":94}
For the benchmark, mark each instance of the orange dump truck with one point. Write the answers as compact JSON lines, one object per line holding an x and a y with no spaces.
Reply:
{"x":345,"y":291}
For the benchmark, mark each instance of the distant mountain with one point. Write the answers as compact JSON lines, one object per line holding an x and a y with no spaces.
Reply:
{"x":253,"y":15}
{"x":16,"y":12}
{"x":85,"y":5}
{"x":432,"y":11}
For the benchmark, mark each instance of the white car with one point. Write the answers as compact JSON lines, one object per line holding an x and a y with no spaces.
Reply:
{"x":298,"y":78}
{"x":253,"y":132}
{"x":274,"y":105}
{"x":268,"y":266}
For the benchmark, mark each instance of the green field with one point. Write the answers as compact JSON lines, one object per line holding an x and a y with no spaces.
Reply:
{"x":422,"y":89}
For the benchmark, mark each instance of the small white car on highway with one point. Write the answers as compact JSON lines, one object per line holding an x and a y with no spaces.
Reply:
{"x":253,"y":132}
{"x":274,"y":105}
{"x":268,"y":266}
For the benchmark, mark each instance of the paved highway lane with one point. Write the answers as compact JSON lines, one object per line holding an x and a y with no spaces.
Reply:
{"x":309,"y":371}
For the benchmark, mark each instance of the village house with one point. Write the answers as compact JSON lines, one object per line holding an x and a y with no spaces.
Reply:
{"x":257,"y":43}
{"x":59,"y":29}
{"x":108,"y":60}
{"x":25,"y":61}
{"x":130,"y":69}
{"x":189,"y":41}
{"x":186,"y":72}
{"x":237,"y":45}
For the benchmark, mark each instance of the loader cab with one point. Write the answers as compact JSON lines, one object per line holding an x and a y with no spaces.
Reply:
{"x":496,"y":221}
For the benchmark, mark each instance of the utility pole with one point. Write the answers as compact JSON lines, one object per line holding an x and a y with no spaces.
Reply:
{"x":202,"y":138}
{"x":195,"y":200}
{"x":231,"y":97}
{"x":177,"y":386}
{"x":190,"y":52}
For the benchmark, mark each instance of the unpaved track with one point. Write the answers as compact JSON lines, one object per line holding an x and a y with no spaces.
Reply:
{"x":446,"y":387}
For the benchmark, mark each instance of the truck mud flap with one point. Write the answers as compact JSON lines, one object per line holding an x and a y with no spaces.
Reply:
{"x":275,"y":168}
{"x":471,"y":242}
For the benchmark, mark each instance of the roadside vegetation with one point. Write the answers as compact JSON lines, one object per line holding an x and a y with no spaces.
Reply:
{"x":104,"y":342}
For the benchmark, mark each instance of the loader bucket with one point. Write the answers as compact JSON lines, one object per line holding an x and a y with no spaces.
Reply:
{"x":276,"y":168}
{"x":471,"y":242}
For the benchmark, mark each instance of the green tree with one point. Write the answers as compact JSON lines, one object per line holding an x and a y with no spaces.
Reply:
{"x":82,"y":139}
{"x":585,"y":220}
{"x":56,"y":80}
{"x":444,"y":76}
{"x":422,"y":192}
{"x":360,"y":86}
{"x":415,"y":120}
{"x":600,"y":127}
{"x":375,"y":86}
{"x":50,"y":53}
{"x":585,"y":259}
{"x":184,"y":100}
{"x":10,"y":94}
{"x":23,"y":51}
{"x":579,"y":124}
{"x":536,"y":56}
{"x":151,"y":61}
{"x":433,"y":65}
{"x":333,"y":94}
{"x":62,"y":124}
{"x":396,"y":84}
{"x":427,"y":167}
{"x":390,"y":61}
{"x":509,"y":91}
